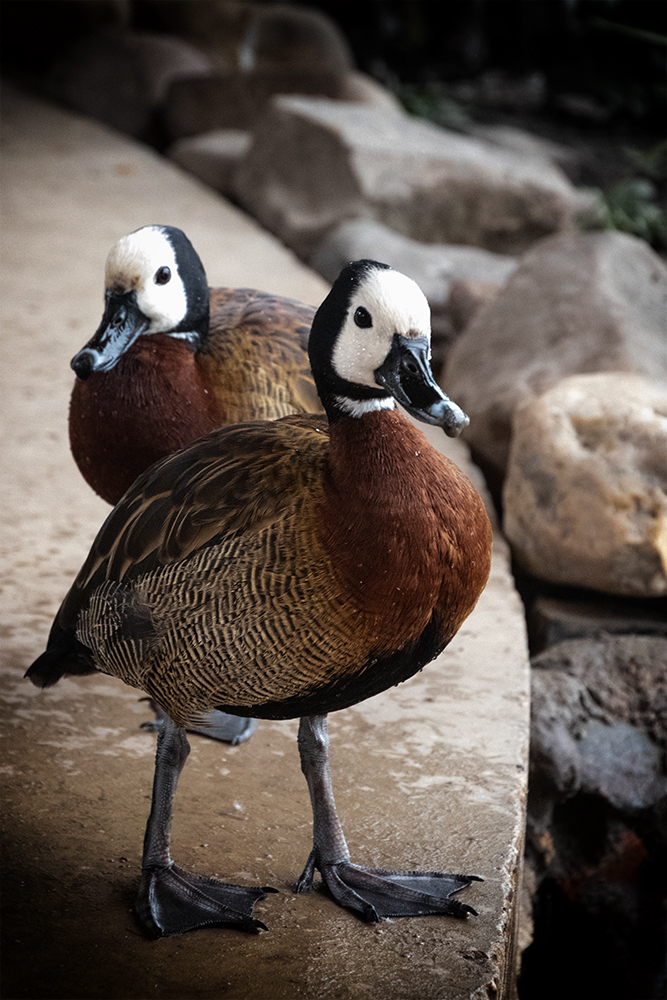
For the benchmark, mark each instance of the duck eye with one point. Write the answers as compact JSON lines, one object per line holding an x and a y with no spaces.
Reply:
{"x":362,"y":317}
{"x":162,"y":276}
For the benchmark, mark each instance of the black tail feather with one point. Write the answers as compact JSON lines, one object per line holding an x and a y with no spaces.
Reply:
{"x":64,"y":656}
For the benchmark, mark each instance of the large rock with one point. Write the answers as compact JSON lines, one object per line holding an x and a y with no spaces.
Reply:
{"x":596,"y":832}
{"x":213,"y":156}
{"x":585,"y":498}
{"x":200,"y":109}
{"x":121,"y":77}
{"x":433,"y":266}
{"x":599,"y":722}
{"x":316,"y":163}
{"x":578,"y":302}
{"x":236,"y":99}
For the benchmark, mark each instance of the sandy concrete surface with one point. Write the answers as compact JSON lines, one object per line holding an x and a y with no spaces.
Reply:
{"x":430,"y":774}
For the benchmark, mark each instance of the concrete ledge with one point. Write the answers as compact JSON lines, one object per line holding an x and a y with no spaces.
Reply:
{"x":431,"y":773}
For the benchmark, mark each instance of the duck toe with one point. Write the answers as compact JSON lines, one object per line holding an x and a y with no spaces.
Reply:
{"x":379,"y":892}
{"x":173,"y":901}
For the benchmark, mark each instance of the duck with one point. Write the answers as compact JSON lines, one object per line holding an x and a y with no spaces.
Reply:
{"x":173,"y":359}
{"x":289,"y":569}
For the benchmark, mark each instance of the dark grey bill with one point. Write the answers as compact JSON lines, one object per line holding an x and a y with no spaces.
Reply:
{"x":406,"y":374}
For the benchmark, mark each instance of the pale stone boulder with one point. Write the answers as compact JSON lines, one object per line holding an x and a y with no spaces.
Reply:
{"x":578,"y":302}
{"x":201,"y":109}
{"x":585,"y":498}
{"x":467,"y":297}
{"x":213,"y":156}
{"x":433,"y":266}
{"x":318,"y":162}
{"x":237,"y":99}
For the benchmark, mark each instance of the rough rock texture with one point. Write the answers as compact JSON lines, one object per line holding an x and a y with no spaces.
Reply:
{"x":237,"y":99}
{"x":213,"y":156}
{"x":577,"y":303}
{"x":316,"y":162}
{"x":599,"y":721}
{"x":551,"y":620}
{"x":585,"y":498}
{"x":120,"y":76}
{"x":467,"y":297}
{"x":433,"y":266}
{"x":597,"y":811}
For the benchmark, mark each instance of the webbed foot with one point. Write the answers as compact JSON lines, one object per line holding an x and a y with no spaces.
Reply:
{"x":216,"y":725}
{"x":173,"y":901}
{"x":380,"y":892}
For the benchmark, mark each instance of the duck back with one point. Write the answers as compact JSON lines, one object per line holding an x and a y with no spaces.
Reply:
{"x":255,"y":358}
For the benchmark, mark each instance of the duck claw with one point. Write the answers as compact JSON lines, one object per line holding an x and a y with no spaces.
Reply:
{"x":380,"y":892}
{"x":173,"y":901}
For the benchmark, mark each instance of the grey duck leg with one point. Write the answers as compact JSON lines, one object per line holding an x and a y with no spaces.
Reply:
{"x":220,"y":726}
{"x":171,"y":900}
{"x":372,"y":892}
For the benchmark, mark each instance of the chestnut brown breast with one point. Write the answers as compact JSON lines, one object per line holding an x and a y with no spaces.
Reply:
{"x":161,"y":395}
{"x":155,"y":400}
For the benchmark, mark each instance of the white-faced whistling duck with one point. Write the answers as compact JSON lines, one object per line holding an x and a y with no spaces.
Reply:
{"x":173,"y":360}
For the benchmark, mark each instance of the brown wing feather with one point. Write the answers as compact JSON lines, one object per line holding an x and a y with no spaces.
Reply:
{"x":235,"y":479}
{"x":255,"y":360}
{"x":208,"y":584}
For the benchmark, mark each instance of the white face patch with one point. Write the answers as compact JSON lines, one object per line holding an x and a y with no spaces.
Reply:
{"x":132,"y":265}
{"x":396,"y":304}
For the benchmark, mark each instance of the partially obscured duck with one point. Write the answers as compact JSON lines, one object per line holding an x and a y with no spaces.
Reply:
{"x":172,"y":360}
{"x":287,"y":568}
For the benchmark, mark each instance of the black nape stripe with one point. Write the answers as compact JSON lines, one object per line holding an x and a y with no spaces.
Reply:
{"x":195,"y":282}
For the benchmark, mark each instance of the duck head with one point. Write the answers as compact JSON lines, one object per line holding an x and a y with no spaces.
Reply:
{"x":370,"y":346}
{"x":155,"y":283}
